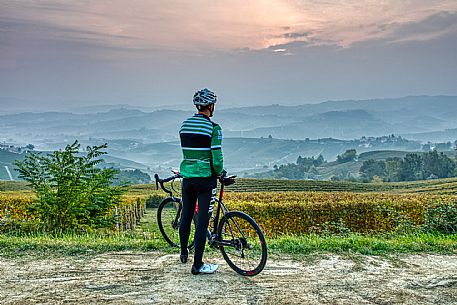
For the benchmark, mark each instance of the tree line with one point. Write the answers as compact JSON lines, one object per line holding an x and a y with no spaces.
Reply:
{"x":414,"y":166}
{"x":304,"y":168}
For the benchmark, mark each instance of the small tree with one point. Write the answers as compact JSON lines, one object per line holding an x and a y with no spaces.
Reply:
{"x":411,"y":167}
{"x":347,"y":156}
{"x":73,"y":194}
{"x":319,"y":161}
{"x":393,"y":168}
{"x":289,"y":171}
{"x":372,"y":168}
{"x":135,"y":176}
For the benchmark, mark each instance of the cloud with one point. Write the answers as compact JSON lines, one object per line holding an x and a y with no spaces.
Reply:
{"x":17,"y":26}
{"x":297,"y":35}
{"x":429,"y":27}
{"x":197,"y":26}
{"x":426,"y":29}
{"x":170,"y":24}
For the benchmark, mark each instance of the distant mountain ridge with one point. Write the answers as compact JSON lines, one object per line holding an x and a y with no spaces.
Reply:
{"x":407,"y":115}
{"x":336,"y":124}
{"x":420,"y":117}
{"x":424,"y":105}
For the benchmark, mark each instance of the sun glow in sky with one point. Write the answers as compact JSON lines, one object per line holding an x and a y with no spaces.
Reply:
{"x":234,"y":24}
{"x":43,"y":39}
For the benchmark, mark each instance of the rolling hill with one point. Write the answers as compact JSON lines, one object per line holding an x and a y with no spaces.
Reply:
{"x":7,"y":161}
{"x":250,"y":155}
{"x":149,"y":138}
{"x":329,"y":169}
{"x":333,"y":124}
{"x":422,"y":117}
{"x":438,"y":186}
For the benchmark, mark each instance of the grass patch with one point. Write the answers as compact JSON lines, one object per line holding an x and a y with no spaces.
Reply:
{"x":12,"y":246}
{"x":367,"y":245}
{"x":45,"y":245}
{"x":6,"y":186}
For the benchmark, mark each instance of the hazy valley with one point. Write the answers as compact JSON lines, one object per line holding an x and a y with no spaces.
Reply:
{"x":255,"y":138}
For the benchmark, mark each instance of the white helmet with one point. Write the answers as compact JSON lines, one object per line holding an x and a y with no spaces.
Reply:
{"x":204,"y":97}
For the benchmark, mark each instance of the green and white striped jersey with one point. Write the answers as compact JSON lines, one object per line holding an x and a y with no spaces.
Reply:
{"x":201,"y":141}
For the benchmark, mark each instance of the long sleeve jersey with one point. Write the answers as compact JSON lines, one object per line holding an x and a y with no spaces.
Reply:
{"x":201,"y":141}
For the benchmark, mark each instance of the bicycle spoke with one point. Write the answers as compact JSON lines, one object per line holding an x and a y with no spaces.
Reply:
{"x":246,"y":250}
{"x":170,"y":217}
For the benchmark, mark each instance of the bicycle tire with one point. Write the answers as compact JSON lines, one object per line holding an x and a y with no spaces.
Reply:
{"x":170,"y":231}
{"x":253,"y":227}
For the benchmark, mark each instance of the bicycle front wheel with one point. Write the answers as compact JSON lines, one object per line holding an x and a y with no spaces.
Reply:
{"x":169,"y":220}
{"x":243,"y":244}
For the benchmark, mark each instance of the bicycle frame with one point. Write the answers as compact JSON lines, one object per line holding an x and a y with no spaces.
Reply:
{"x":220,"y":204}
{"x":213,"y":238}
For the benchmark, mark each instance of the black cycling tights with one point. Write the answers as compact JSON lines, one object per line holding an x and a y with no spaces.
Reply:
{"x":193,"y":189}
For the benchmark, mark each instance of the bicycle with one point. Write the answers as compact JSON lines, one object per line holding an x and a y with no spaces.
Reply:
{"x":234,"y":233}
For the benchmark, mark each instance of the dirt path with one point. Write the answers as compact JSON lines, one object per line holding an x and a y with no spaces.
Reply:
{"x":152,"y":278}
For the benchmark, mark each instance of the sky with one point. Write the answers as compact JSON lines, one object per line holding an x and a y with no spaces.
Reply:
{"x":251,"y":52}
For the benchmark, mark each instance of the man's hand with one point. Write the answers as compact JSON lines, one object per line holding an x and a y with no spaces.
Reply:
{"x":226,"y":180}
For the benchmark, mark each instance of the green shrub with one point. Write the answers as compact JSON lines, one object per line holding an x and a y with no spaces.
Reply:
{"x":338,"y":228}
{"x":441,"y":218}
{"x":154,"y":200}
{"x":72,"y":193}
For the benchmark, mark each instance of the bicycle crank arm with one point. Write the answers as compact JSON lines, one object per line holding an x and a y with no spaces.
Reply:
{"x":224,"y":243}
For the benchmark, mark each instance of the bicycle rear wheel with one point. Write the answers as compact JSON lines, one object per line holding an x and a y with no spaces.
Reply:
{"x":169,"y":219}
{"x":244,"y":247}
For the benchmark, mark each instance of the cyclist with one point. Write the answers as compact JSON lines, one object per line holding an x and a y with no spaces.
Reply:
{"x":202,"y":163}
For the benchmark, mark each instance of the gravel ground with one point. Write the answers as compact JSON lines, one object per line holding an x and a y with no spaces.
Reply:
{"x":155,"y":278}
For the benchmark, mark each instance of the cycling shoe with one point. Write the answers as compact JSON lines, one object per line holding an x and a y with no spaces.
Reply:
{"x":205,"y":269}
